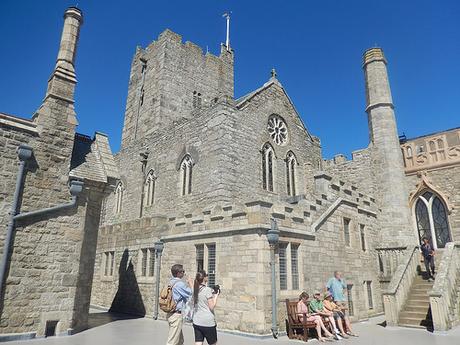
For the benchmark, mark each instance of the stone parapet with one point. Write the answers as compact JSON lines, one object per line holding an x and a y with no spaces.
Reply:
{"x":445,"y":294}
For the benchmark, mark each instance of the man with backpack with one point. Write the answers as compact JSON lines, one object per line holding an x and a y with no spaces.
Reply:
{"x":172,"y":300}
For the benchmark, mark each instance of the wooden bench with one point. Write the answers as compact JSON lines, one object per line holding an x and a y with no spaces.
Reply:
{"x":296,"y":326}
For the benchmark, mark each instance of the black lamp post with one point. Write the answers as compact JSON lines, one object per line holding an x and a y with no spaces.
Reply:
{"x":159,"y":246}
{"x":273,"y":236}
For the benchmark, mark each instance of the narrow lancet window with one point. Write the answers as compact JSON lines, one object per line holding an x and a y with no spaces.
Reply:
{"x":149,"y":188}
{"x":268,"y":156}
{"x":291,"y":163}
{"x":186,"y":168}
{"x":119,"y":197}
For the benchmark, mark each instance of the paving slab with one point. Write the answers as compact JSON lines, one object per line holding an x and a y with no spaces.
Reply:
{"x":109,"y":329}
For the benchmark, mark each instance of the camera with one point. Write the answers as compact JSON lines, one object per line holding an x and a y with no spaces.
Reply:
{"x":216,"y":288}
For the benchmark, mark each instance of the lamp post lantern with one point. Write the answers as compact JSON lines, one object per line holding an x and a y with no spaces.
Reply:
{"x":273,"y":236}
{"x":158,"y":246}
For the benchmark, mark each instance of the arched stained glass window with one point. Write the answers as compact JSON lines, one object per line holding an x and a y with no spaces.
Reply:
{"x":432,"y":221}
{"x":268,"y":156}
{"x":291,"y":163}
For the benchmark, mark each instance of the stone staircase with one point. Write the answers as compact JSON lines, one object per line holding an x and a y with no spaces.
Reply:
{"x":416,"y":312}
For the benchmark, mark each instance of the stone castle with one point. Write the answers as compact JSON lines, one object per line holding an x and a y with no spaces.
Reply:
{"x":206,"y":174}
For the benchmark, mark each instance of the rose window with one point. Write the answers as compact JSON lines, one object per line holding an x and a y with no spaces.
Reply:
{"x":278,"y":130}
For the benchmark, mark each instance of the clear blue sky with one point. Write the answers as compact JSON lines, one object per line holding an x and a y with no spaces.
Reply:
{"x":315,"y":46}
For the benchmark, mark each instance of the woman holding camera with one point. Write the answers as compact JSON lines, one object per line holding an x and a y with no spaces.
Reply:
{"x":204,"y":302}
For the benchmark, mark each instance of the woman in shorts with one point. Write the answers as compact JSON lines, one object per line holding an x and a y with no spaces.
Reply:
{"x":302,"y":309}
{"x":204,"y":301}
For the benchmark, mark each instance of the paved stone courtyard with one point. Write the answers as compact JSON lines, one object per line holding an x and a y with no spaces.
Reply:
{"x":117,"y":330}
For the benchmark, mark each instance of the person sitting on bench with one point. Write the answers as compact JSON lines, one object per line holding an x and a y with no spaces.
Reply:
{"x":302,"y":309}
{"x":317,"y":307}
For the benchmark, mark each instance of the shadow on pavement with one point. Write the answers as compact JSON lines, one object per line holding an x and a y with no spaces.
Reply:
{"x":100,"y":318}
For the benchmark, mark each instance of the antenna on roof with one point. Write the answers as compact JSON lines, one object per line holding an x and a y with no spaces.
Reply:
{"x":227,"y":41}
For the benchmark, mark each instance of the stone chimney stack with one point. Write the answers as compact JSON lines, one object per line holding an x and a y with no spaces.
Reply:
{"x":73,"y":19}
{"x":61,"y":84}
{"x":388,"y":167}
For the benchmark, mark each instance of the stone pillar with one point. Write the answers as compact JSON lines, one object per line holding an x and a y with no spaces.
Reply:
{"x":387,"y":159}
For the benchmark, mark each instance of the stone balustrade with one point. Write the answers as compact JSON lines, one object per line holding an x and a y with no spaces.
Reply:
{"x":389,"y":260}
{"x":444,"y":297}
{"x":397,"y":291}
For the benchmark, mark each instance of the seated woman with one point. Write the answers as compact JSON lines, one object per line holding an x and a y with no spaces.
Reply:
{"x":302,"y":310}
{"x":338,"y":315}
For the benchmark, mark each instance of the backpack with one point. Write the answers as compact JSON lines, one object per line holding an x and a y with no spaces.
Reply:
{"x":166,"y":302}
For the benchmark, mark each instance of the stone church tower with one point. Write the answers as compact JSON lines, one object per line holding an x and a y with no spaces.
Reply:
{"x":169,"y":80}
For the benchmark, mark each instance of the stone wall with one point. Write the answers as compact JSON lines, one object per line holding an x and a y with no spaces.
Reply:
{"x":176,"y":79}
{"x":242,"y":254}
{"x":225,"y":144}
{"x":358,"y":170}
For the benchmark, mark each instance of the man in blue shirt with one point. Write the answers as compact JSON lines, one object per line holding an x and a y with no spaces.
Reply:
{"x":428,"y":258}
{"x":336,"y":286}
{"x":180,"y":294}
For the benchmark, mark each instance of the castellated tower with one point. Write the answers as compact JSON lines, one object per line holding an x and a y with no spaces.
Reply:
{"x":170,"y":80}
{"x":387,"y":160}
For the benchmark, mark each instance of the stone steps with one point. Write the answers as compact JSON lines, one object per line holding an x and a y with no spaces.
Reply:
{"x":416,"y":312}
{"x":417,"y":308}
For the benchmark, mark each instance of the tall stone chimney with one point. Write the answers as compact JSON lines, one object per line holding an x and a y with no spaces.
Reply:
{"x":61,"y":84}
{"x":388,"y":167}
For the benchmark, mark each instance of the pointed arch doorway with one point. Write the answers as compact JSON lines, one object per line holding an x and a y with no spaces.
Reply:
{"x":432,"y":219}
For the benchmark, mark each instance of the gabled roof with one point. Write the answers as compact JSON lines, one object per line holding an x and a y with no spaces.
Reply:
{"x":92,"y":159}
{"x":243,"y":101}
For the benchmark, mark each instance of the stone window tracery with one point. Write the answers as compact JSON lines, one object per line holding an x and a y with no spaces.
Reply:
{"x":437,"y":151}
{"x":291,"y":163}
{"x":277,"y":129}
{"x":119,"y":191}
{"x":268,"y":156}
{"x":149,"y":188}
{"x":431,"y":219}
{"x":186,"y":168}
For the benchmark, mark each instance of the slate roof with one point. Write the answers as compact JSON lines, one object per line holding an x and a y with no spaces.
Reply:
{"x":92,"y":159}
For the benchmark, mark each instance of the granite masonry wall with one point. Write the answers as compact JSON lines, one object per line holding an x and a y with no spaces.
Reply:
{"x":242,"y":253}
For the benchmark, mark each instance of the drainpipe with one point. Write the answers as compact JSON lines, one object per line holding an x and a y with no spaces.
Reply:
{"x":273,"y":236}
{"x":158,"y":251}
{"x":75,"y":188}
{"x":24,"y":154}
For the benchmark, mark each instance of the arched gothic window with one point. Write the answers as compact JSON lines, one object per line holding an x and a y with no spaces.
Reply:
{"x":186,"y":168}
{"x":149,"y":188}
{"x":291,"y":163}
{"x":431,"y":217}
{"x":268,"y":156}
{"x":119,"y":197}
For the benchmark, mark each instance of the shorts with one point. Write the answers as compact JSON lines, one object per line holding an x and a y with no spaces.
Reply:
{"x":208,"y":333}
{"x":338,"y":315}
